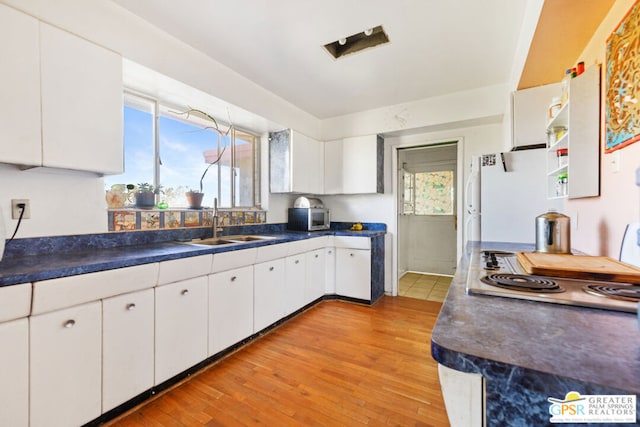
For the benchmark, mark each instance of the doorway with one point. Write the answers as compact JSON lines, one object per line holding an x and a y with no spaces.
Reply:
{"x":427,"y":217}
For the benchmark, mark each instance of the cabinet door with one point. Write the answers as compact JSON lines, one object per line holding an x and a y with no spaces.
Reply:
{"x":268,"y":295}
{"x":82,"y":103}
{"x":333,"y":161}
{"x":181,"y":326}
{"x":19,"y":88}
{"x":307,"y":164}
{"x":531,"y":114}
{"x":362,"y":173}
{"x":65,"y":366}
{"x":127,"y":343}
{"x":330,"y":271}
{"x":294,"y":283}
{"x":230,"y":308}
{"x":14,"y":373}
{"x":316,"y":272}
{"x":353,"y":273}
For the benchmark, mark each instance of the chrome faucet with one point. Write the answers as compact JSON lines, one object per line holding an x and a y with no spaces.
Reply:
{"x":216,"y":218}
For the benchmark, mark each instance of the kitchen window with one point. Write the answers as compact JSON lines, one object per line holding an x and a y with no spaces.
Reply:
{"x":165,"y":147}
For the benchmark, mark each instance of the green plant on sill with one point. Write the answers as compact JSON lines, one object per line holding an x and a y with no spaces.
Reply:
{"x":144,"y":187}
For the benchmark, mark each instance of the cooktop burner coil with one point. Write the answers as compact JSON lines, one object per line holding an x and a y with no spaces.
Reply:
{"x":622,"y":292}
{"x":522,"y":282}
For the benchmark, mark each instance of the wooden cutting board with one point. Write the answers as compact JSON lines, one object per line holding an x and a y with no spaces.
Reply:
{"x":578,"y":267}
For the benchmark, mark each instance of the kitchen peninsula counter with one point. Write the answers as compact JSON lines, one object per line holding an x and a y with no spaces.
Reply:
{"x":53,"y":257}
{"x":529,"y":351}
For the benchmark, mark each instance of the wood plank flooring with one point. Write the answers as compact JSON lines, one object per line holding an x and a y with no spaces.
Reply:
{"x":337,"y":364}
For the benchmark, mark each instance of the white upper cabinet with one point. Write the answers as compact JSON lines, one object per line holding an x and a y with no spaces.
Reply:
{"x":354,"y":165}
{"x":19,"y":88}
{"x":531,"y":114}
{"x":82,"y":103}
{"x":296,"y":163}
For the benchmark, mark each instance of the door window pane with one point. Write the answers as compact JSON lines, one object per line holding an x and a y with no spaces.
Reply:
{"x":434,"y":193}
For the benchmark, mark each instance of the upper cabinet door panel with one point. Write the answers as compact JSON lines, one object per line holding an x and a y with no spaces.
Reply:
{"x":19,"y":88}
{"x":82,"y":103}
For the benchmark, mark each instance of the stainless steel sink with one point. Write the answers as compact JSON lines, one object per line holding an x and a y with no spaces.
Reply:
{"x":230,"y":240}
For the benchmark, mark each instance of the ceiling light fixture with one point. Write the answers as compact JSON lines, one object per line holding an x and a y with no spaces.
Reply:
{"x":370,"y":37}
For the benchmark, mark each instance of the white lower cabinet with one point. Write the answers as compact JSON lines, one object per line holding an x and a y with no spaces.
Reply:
{"x":230,"y":308}
{"x":181,"y":320}
{"x":14,"y":373}
{"x":268,"y":293}
{"x":65,"y":366}
{"x":127,"y":347}
{"x":294,"y":283}
{"x":316,"y":271}
{"x":330,"y":270}
{"x":353,"y":273}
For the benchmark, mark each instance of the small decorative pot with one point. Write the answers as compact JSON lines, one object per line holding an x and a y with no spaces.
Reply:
{"x":194,"y":200}
{"x":145,"y":200}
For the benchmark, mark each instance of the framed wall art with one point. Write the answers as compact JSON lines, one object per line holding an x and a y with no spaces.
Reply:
{"x":622,"y":109}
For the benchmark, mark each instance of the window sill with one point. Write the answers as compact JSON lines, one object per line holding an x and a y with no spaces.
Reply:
{"x":129,"y":219}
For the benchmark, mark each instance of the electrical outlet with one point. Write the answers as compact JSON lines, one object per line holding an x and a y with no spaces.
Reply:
{"x":15,"y":210}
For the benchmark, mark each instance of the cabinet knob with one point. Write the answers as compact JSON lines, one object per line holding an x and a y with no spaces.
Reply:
{"x":69,"y":323}
{"x":131,"y":306}
{"x":233,"y":278}
{"x":316,"y":255}
{"x":351,"y":254}
{"x":330,"y":252}
{"x":297,"y":261}
{"x":271,"y":268}
{"x":184,"y":292}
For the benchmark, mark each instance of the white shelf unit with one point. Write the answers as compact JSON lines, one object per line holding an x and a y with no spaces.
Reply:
{"x":580,"y":115}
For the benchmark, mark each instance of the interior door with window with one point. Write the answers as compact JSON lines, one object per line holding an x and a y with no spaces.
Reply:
{"x":428,"y":220}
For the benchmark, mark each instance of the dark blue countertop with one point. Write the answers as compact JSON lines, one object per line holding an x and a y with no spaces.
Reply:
{"x":528,"y":351}
{"x":29,"y":260}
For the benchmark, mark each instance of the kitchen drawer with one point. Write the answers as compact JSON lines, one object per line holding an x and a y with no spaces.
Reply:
{"x":306,"y":245}
{"x":271,"y":252}
{"x":352,"y":242}
{"x":184,"y":268}
{"x":54,"y":294}
{"x":223,"y":261}
{"x":15,"y":301}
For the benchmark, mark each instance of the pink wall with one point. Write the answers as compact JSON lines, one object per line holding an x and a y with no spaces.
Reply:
{"x":598,"y":223}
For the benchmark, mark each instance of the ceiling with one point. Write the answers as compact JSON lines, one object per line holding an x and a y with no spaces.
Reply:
{"x":436,"y":47}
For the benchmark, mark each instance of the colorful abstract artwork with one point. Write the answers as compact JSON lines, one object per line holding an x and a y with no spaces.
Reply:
{"x":623,"y":82}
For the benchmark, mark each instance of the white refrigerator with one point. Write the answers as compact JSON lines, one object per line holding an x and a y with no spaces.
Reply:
{"x":504,"y":194}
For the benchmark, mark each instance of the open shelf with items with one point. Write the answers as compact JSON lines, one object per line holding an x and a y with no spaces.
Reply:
{"x":573,"y":135}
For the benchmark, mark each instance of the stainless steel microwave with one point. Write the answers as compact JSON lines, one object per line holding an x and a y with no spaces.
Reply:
{"x":309,"y":219}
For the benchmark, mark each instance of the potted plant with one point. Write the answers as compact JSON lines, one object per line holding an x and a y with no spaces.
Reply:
{"x":194,"y":198}
{"x":145,"y":194}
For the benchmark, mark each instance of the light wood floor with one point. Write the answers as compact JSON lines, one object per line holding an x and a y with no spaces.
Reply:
{"x":424,"y":286}
{"x":337,"y":364}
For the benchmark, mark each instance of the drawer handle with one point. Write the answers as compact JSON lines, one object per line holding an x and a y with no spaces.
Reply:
{"x":184,"y":292}
{"x":316,"y":255}
{"x":351,"y":254}
{"x":69,"y":323}
{"x":131,"y":306}
{"x":297,"y":261}
{"x":233,"y":278}
{"x":271,"y":268}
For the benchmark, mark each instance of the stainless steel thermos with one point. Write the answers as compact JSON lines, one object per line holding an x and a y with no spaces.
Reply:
{"x":553,"y":233}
